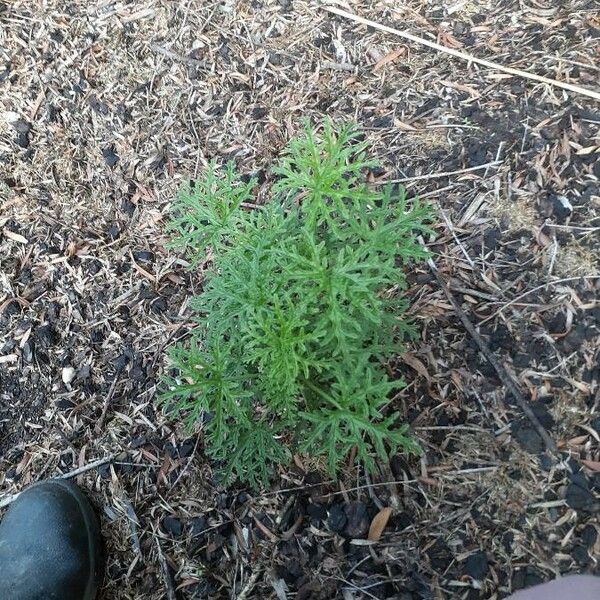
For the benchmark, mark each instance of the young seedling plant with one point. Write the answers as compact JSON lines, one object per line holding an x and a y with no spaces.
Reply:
{"x":301,"y":307}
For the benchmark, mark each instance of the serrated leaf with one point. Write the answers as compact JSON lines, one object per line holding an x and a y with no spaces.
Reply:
{"x":295,"y":318}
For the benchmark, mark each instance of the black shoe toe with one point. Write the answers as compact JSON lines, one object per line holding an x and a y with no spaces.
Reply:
{"x":50,"y":545}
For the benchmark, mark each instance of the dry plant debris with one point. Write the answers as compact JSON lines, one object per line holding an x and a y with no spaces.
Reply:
{"x":106,"y":107}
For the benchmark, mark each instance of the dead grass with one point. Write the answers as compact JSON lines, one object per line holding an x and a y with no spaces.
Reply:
{"x":577,"y":258}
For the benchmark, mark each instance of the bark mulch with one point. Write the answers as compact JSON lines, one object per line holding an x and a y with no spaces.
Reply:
{"x":106,"y":107}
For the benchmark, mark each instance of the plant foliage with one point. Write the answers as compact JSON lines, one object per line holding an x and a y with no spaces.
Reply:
{"x":299,"y":310}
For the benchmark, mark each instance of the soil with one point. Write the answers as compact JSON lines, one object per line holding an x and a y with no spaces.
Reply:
{"x":106,"y":108}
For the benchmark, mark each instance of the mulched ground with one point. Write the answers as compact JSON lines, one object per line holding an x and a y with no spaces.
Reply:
{"x":106,"y":107}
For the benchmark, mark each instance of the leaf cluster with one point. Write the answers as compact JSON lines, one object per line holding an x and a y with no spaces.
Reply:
{"x":299,"y":310}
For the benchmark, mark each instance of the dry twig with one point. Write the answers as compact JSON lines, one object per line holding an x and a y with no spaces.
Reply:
{"x":503,"y":374}
{"x":258,"y":569}
{"x":537,"y":289}
{"x":444,"y":174}
{"x":471,"y":59}
{"x":107,"y":401}
{"x":84,"y":469}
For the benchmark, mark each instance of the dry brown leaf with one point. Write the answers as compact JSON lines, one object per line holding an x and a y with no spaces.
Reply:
{"x":378,"y":524}
{"x":449,"y":40}
{"x":187,"y":582}
{"x":265,"y":530}
{"x":577,"y":441}
{"x":591,"y":431}
{"x":580,"y":385}
{"x":588,"y":150}
{"x":594,"y":465}
{"x":389,"y":58}
{"x":416,"y":364}
{"x":149,"y":455}
{"x":164,"y":470}
{"x":541,"y":238}
{"x":404,"y":126}
{"x":287,"y":535}
{"x":428,"y":481}
{"x":457,"y":379}
{"x":461,"y":87}
{"x":142,"y":271}
{"x":492,"y":43}
{"x":15,"y":237}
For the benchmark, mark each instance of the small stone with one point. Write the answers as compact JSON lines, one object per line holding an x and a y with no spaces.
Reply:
{"x":8,"y":346}
{"x":440,"y":556}
{"x":546,"y":462}
{"x":104,"y":471}
{"x":532,"y":578}
{"x":159,"y":305}
{"x":67,"y":375}
{"x":12,"y":308}
{"x":28,"y":351}
{"x":382,"y":122}
{"x":138,"y":442}
{"x":543,"y":414}
{"x":243,"y":497}
{"x":508,"y":539}
{"x":57,"y":36}
{"x":404,"y":520}
{"x":121,"y":361}
{"x":23,"y":140}
{"x":171,"y":450}
{"x":113,"y":231}
{"x":521,"y":360}
{"x":476,"y":565}
{"x":524,"y":578}
{"x":64,"y":404}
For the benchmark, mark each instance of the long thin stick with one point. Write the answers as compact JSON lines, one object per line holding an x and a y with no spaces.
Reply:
{"x":107,"y":401}
{"x":250,"y":583}
{"x":480,"y":61}
{"x":97,"y":463}
{"x":535,"y":289}
{"x":502,"y":373}
{"x":443,"y":174}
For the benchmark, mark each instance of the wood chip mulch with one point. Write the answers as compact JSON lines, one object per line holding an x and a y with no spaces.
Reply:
{"x":106,"y":107}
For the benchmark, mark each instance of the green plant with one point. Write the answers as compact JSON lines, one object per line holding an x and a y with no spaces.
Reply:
{"x":299,"y":310}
